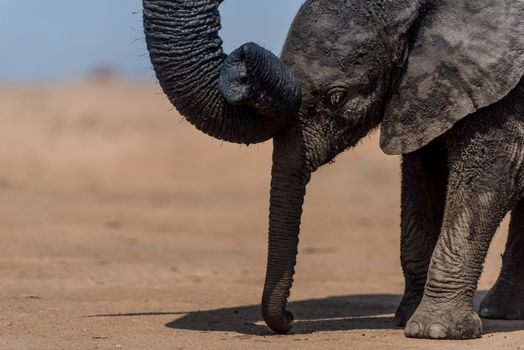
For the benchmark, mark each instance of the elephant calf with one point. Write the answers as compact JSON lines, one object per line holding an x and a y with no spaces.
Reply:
{"x":443,"y":81}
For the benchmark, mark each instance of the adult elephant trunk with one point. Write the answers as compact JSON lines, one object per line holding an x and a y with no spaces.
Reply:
{"x":247,"y":97}
{"x":290,"y":176}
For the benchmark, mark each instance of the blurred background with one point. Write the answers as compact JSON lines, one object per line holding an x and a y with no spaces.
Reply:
{"x":68,"y":39}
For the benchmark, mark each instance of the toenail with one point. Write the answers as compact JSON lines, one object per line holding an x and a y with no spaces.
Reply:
{"x":413,"y":328}
{"x":437,"y":331}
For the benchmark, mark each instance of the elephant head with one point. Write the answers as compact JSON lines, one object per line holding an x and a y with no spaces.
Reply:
{"x":414,"y":66}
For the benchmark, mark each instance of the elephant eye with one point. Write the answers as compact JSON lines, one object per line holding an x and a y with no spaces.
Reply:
{"x":336,"y":97}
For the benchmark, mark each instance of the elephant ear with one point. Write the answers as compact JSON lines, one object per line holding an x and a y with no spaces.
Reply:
{"x":464,"y":55}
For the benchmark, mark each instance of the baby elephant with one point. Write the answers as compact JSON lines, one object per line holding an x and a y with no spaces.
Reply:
{"x":443,"y":81}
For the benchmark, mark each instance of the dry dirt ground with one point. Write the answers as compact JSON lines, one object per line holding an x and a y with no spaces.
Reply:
{"x":122,"y":227}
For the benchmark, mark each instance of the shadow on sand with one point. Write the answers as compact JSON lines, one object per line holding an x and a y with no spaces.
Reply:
{"x":372,"y":311}
{"x":314,"y":315}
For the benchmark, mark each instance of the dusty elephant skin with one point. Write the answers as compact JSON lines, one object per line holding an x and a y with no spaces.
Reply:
{"x":442,"y":79}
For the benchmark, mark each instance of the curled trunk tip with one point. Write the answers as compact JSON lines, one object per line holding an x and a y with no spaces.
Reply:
{"x":186,"y":52}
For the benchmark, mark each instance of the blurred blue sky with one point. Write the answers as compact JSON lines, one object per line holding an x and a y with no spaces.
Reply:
{"x":66,"y":39}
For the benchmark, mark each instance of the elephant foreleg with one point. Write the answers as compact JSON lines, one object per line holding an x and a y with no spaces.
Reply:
{"x":484,"y":184}
{"x":424,"y":178}
{"x":506,"y":299}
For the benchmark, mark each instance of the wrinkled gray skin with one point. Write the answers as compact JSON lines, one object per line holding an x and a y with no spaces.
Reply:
{"x":346,"y":65}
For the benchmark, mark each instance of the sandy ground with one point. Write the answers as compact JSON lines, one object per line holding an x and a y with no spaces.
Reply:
{"x":122,"y":227}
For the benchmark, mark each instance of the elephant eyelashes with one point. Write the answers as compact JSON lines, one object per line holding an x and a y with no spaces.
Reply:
{"x":336,"y":97}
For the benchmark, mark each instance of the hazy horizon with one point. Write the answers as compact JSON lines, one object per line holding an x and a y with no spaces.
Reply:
{"x":66,"y":39}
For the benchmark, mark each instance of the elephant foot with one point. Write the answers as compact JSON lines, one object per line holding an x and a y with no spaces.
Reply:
{"x":503,"y":302}
{"x":432,"y":323}
{"x":407,"y":307}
